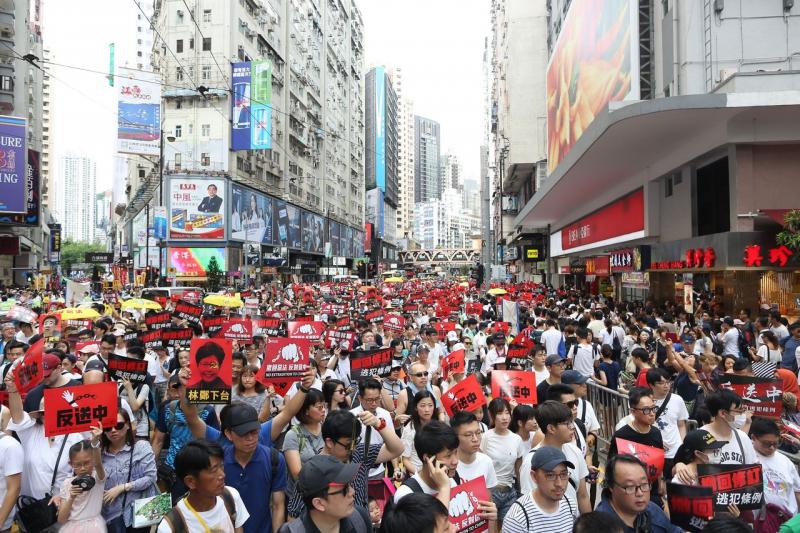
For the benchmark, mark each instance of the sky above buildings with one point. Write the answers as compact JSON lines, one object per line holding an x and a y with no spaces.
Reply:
{"x":438,"y":43}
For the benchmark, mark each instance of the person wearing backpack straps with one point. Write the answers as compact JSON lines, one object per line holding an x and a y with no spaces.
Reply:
{"x":209,"y":505}
{"x":325,"y":484}
{"x":304,"y":440}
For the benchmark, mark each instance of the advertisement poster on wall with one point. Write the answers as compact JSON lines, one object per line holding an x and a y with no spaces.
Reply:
{"x":333,"y":237}
{"x":313,"y":232}
{"x":193,"y":262}
{"x":13,"y":168}
{"x":280,"y":223}
{"x":32,"y":185}
{"x":139,"y":112}
{"x":347,"y":241}
{"x":295,"y":222}
{"x":251,"y":123}
{"x":251,"y":216}
{"x":196,"y":209}
{"x":358,"y":243}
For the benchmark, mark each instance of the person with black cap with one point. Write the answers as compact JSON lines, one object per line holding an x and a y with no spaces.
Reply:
{"x":555,"y":365}
{"x":496,"y":355}
{"x":548,"y":507}
{"x":326,"y":487}
{"x":699,"y":447}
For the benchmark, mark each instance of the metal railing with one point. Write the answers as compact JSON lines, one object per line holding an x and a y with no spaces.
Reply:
{"x":610,"y":407}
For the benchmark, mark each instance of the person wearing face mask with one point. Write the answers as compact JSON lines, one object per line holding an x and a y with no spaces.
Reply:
{"x":730,"y":421}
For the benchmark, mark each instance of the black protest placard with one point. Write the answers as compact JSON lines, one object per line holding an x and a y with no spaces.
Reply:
{"x":371,"y":363}
{"x":188,"y":312}
{"x":763,"y":396}
{"x":130,"y":335}
{"x":213,"y":323}
{"x":157,"y":320}
{"x":690,"y":507}
{"x":173,"y":337}
{"x":120,"y":367}
{"x":151,"y":339}
{"x":374,"y":317}
{"x":740,"y":485}
{"x":517,"y":354}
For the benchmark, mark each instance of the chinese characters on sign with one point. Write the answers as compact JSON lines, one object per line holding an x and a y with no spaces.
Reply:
{"x":652,"y":457}
{"x":763,"y":396}
{"x":134,"y":370}
{"x":284,"y":358}
{"x":464,"y":511}
{"x":76,"y":409}
{"x":514,"y":384}
{"x":464,"y":396}
{"x":189,"y":312}
{"x":692,"y":258}
{"x":777,"y":256}
{"x":370,"y":363}
{"x":210,"y":365}
{"x":690,"y":507}
{"x":740,"y":485}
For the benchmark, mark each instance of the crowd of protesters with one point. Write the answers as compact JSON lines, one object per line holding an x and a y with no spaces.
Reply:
{"x":331,"y":453}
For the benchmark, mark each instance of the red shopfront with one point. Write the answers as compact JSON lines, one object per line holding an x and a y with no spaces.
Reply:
{"x":598,"y":272}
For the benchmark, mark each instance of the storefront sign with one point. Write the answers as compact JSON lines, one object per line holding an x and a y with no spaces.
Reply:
{"x":755,"y":255}
{"x":693,"y":258}
{"x":533,"y":253}
{"x":622,"y":217}
{"x":510,"y":253}
{"x":598,"y":266}
{"x":635,"y":259}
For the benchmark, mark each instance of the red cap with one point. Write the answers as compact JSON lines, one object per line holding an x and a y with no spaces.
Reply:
{"x":50,"y":362}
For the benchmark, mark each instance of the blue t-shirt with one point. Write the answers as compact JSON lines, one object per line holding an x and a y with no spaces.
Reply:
{"x":256,"y":482}
{"x":177,"y":430}
{"x":264,"y":435}
{"x":612,"y":373}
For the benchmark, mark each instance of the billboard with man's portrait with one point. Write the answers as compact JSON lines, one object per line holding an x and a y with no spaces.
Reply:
{"x":196,"y":208}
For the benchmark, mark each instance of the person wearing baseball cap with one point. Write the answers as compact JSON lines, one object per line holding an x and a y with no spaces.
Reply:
{"x":497,"y":354}
{"x":547,"y":507}
{"x":326,"y":486}
{"x":52,"y":378}
{"x":555,"y":365}
{"x":699,"y":447}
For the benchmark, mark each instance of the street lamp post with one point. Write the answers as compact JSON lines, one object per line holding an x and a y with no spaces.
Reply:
{"x":160,"y":200}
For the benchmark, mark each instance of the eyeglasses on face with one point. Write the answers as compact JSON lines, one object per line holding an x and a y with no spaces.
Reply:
{"x":118,"y":427}
{"x":350,"y":446}
{"x":571,"y":404}
{"x":631,"y":489}
{"x":344,"y":490}
{"x":370,"y":400}
{"x":561,"y":476}
{"x":421,"y":374}
{"x":645,"y":410}
{"x":769,"y":444}
{"x":568,"y":423}
{"x":473,"y":435}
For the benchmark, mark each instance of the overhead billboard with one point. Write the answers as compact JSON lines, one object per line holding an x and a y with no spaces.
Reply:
{"x":196,"y":209}
{"x":193,"y":262}
{"x":32,"y":194}
{"x":251,"y":215}
{"x":138,"y":112}
{"x":333,"y":237}
{"x":13,"y":149}
{"x":294,"y":223}
{"x":595,"y":61}
{"x":251,"y":121}
{"x":313,"y":227}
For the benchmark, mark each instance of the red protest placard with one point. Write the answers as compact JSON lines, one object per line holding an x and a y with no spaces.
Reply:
{"x":453,"y":363}
{"x":210,"y":364}
{"x":238,"y":329}
{"x":502,"y":327}
{"x":652,"y":457}
{"x":370,"y":363}
{"x":517,"y":354}
{"x":740,"y":485}
{"x":343,"y":339}
{"x":311,"y":331}
{"x":267,"y":327}
{"x":50,"y":327}
{"x":464,"y":396}
{"x":474,"y":308}
{"x":284,"y":358}
{"x":77,"y":409}
{"x":29,"y":373}
{"x":394,"y":322}
{"x":463,"y":510}
{"x":763,"y":396}
{"x":444,"y":327}
{"x":519,"y":385}
{"x":343,"y":324}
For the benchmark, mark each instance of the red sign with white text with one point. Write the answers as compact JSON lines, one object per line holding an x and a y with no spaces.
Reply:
{"x":238,"y":329}
{"x":466,"y":395}
{"x":516,"y":385}
{"x":652,"y":457}
{"x":622,"y":217}
{"x":453,"y":363}
{"x":463,"y":509}
{"x":76,"y":409}
{"x":30,"y":373}
{"x":311,"y":331}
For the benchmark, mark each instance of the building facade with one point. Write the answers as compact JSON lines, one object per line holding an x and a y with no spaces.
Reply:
{"x":78,"y":218}
{"x":427,"y":152}
{"x":679,"y":181}
{"x":405,"y":160}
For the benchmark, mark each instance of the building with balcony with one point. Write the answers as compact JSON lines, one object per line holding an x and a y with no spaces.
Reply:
{"x":405,"y":160}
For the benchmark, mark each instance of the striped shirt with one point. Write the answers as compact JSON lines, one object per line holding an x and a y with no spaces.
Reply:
{"x":142,"y":475}
{"x":533,"y":520}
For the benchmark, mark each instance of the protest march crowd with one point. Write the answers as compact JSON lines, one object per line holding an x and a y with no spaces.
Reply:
{"x":418,"y":406}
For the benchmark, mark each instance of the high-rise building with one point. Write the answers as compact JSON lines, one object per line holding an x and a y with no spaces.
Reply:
{"x":381,"y":159}
{"x":48,"y":174}
{"x":78,"y":209}
{"x":438,"y":226}
{"x":405,"y":159}
{"x":427,"y":151}
{"x":450,"y":172}
{"x":21,"y":96}
{"x":103,"y":216}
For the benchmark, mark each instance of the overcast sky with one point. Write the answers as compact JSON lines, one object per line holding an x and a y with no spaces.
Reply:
{"x":438,"y":43}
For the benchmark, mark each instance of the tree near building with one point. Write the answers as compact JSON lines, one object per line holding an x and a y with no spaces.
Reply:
{"x":790,"y":235}
{"x":75,"y":252}
{"x":213,"y":275}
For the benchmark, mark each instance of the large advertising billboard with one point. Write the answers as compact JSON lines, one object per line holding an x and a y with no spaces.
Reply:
{"x":313,"y":232}
{"x":294,"y":214}
{"x":347,"y":241}
{"x":32,"y":189}
{"x":595,"y":61}
{"x":193,"y":262}
{"x":139,"y":112}
{"x":251,"y":215}
{"x":380,"y":128}
{"x":333,"y":237}
{"x":196,"y":209}
{"x":251,"y":123}
{"x":13,"y":169}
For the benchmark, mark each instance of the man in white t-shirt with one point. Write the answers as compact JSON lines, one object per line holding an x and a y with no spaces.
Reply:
{"x":555,"y":421}
{"x":729,"y":337}
{"x":11,"y":467}
{"x":472,"y":462}
{"x":209,"y":505}
{"x":671,"y":419}
{"x":584,"y":354}
{"x":369,"y":397}
{"x":781,"y":480}
{"x":551,"y":337}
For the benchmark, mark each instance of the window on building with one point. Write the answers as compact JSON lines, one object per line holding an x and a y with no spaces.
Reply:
{"x":179,"y":45}
{"x":180,"y":16}
{"x":190,"y":129}
{"x":206,"y":72}
{"x":205,"y":130}
{"x":138,"y":54}
{"x":178,"y":161}
{"x":191,"y":43}
{"x":178,"y":131}
{"x":206,"y":44}
{"x":206,"y":15}
{"x":179,"y":74}
{"x":178,"y":104}
{"x":7,"y":83}
{"x":205,"y":159}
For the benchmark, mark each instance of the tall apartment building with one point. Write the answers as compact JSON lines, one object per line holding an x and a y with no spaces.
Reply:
{"x":315,"y":49}
{"x":427,"y":152}
{"x":437,"y":225}
{"x":21,"y":96}
{"x":79,"y":176}
{"x":48,"y":172}
{"x":450,"y":172}
{"x":405,"y":159}
{"x":517,"y":141}
{"x":381,"y":159}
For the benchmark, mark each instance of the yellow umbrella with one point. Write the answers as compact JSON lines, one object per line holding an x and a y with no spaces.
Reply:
{"x":394,"y":279}
{"x":78,"y":313}
{"x":497,"y":291}
{"x":141,"y":303}
{"x":223,"y":300}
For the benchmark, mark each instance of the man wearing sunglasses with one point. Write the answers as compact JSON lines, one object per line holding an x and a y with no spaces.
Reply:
{"x":419,"y":379}
{"x":326,"y":487}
